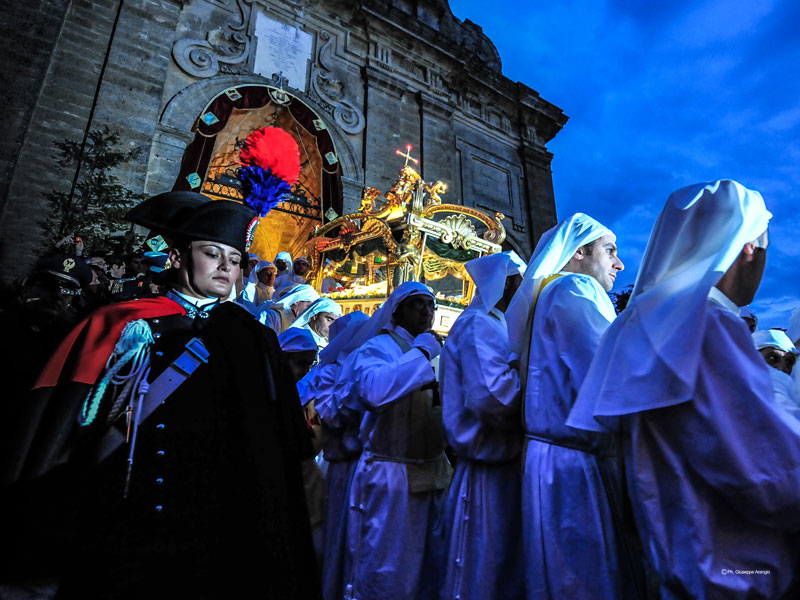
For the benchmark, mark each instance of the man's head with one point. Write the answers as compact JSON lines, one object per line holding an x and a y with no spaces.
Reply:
{"x":133,"y":263}
{"x":300,"y":350}
{"x":283,"y":261}
{"x":301,"y":266}
{"x":749,"y":317}
{"x":98,"y":262}
{"x":321,"y":323}
{"x":266,"y":274}
{"x":779,"y":359}
{"x":296,"y":297}
{"x":252,"y":261}
{"x":496,"y":278}
{"x":777,"y":349}
{"x":206,"y":269}
{"x":740,"y":282}
{"x":116,"y":267}
{"x":319,"y":315}
{"x":51,"y":291}
{"x":598,"y":259}
{"x":415,"y":314}
{"x":299,"y":307}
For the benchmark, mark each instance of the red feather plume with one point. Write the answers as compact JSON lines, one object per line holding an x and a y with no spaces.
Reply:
{"x":272,"y":148}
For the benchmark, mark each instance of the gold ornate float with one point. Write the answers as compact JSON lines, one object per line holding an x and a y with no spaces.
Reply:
{"x":407,"y":235}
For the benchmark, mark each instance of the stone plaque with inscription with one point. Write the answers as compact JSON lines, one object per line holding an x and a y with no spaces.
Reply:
{"x":282,"y":50}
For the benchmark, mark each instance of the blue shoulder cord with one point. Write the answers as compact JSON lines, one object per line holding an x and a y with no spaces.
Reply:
{"x":132,"y":349}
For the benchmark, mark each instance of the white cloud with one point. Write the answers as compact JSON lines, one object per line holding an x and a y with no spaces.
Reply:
{"x":774,"y":311}
{"x":720,"y":21}
{"x":783,"y":121}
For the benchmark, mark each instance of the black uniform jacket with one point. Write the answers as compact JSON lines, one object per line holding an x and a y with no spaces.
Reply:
{"x":216,"y":505}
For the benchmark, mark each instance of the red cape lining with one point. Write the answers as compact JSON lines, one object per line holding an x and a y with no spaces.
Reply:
{"x":98,"y":334}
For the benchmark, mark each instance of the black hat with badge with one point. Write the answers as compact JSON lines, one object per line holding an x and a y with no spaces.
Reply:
{"x":223,"y":221}
{"x":185,"y":216}
{"x":67,"y":270}
{"x":159,"y":213}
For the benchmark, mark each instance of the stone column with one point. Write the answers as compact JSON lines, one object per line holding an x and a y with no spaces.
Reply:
{"x":541,"y":207}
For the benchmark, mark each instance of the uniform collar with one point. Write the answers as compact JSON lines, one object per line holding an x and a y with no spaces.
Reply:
{"x":194,"y":307}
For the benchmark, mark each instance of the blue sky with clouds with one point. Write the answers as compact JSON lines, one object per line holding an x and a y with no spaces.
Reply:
{"x":661,"y":95}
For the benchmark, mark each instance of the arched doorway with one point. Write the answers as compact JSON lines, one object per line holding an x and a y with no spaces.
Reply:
{"x":210,"y":161}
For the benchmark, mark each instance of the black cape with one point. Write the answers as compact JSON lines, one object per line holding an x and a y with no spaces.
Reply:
{"x":216,"y":505}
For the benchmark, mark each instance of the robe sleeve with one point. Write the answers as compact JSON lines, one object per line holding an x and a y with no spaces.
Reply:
{"x":324,"y":384}
{"x":383,"y":377}
{"x":490,"y":386}
{"x":733,"y":435}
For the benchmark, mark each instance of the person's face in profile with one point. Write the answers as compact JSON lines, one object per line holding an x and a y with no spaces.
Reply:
{"x":321,"y":323}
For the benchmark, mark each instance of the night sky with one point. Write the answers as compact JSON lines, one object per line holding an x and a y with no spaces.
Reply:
{"x":661,"y":96}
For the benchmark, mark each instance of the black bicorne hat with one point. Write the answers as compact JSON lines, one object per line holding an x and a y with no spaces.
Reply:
{"x":223,"y":221}
{"x":184,"y":215}
{"x":159,"y":213}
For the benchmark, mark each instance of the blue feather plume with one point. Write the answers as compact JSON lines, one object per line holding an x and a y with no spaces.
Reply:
{"x":262,"y":189}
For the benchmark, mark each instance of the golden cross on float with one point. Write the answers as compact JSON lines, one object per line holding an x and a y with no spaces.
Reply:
{"x":407,"y":156}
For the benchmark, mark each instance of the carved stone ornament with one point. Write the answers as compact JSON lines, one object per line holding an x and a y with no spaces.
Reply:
{"x":331,"y":91}
{"x":224,"y":50}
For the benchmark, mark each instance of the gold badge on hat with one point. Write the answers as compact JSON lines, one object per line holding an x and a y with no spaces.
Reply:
{"x":68,"y":265}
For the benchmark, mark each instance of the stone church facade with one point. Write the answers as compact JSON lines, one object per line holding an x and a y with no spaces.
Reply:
{"x":375,"y":75}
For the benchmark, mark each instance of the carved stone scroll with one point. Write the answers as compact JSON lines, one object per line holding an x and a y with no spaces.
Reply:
{"x":223,"y":51}
{"x":331,"y":91}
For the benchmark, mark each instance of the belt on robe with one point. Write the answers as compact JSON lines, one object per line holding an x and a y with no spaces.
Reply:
{"x":571,"y":445}
{"x":400,"y":459}
{"x":487,"y":462}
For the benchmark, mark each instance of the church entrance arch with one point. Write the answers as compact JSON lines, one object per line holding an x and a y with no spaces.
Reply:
{"x":210,"y":161}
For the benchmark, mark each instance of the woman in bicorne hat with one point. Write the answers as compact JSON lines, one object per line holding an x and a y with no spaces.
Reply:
{"x":189,"y":488}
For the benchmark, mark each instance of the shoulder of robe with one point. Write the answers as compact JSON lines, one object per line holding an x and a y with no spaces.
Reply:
{"x":377,"y":343}
{"x":475,"y":320}
{"x":576,"y":284}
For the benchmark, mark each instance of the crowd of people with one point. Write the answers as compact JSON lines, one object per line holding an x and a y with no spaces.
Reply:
{"x":211,"y":426}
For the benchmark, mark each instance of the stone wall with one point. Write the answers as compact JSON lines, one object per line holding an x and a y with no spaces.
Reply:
{"x":107,"y":67}
{"x":28,"y":34}
{"x":381,"y":73}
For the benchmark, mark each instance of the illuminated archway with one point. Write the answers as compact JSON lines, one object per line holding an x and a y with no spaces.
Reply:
{"x":210,"y":161}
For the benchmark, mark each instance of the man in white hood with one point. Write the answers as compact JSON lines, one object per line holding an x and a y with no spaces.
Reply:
{"x":569,"y":517}
{"x":481,"y":413}
{"x":712,"y":463}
